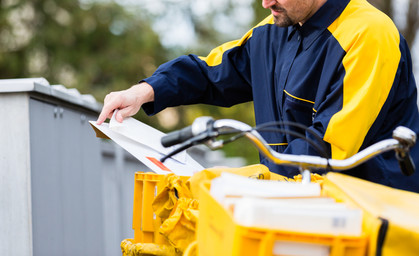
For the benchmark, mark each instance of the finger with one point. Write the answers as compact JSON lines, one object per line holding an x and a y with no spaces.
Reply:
{"x":122,"y":114}
{"x":119,"y":117}
{"x":102,"y":117}
{"x":112,"y":101}
{"x":125,"y":112}
{"x":106,"y":112}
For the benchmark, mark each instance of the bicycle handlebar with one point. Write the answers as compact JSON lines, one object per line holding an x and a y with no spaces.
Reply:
{"x":177,"y":137}
{"x":200,"y":125}
{"x":205,"y":130}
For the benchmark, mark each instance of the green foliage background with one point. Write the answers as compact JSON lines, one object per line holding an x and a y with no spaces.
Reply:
{"x":102,"y":46}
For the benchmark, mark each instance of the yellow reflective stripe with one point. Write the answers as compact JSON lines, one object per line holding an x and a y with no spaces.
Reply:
{"x":315,"y":111}
{"x":215,"y":57}
{"x":278,"y":144}
{"x":309,"y":101}
{"x":371,"y":62}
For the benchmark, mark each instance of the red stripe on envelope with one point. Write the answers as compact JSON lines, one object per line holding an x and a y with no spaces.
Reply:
{"x":158,"y":163}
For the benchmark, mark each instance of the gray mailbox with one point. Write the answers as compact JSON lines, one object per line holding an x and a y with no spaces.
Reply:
{"x":62,"y":190}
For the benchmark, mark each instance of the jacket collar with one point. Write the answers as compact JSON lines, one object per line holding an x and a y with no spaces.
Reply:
{"x":319,"y":22}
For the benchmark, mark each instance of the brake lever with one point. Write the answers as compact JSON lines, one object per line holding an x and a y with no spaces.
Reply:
{"x":407,"y":139}
{"x":406,"y":164}
{"x":199,"y":139}
{"x":179,"y":149}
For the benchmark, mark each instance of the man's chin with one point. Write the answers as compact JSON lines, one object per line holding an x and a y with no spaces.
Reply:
{"x":282,"y":21}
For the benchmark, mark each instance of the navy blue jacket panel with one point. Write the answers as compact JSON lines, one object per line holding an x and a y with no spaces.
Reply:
{"x":347,"y":78}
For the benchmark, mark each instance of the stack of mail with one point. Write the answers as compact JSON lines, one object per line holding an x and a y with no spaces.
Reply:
{"x":286,"y":206}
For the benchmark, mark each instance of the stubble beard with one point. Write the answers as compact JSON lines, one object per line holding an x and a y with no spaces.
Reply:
{"x":282,"y":20}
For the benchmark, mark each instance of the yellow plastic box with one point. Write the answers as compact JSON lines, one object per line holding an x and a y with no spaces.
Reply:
{"x":218,"y":234}
{"x":144,"y":222}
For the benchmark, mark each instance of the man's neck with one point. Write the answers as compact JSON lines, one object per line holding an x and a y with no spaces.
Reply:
{"x":316,"y":6}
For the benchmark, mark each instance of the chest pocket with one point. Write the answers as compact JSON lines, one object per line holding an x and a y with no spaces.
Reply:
{"x":296,"y":109}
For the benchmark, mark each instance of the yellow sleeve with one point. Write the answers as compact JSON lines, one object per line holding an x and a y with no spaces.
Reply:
{"x":371,"y":62}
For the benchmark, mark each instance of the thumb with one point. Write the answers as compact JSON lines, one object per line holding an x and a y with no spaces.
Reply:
{"x":123,"y":113}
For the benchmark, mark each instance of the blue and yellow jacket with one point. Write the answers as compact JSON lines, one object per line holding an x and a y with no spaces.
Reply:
{"x":346,"y":74}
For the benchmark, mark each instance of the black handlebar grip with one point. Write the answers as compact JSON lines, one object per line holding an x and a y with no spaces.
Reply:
{"x":407,"y":166}
{"x":177,"y":137}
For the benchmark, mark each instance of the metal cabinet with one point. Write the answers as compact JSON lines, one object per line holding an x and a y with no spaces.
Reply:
{"x":62,"y":190}
{"x":66,"y":181}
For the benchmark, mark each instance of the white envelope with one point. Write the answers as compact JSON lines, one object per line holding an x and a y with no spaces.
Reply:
{"x":143,"y":142}
{"x":144,"y":134}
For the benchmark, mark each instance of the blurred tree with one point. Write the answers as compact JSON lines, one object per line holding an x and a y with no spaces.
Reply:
{"x":95,"y":47}
{"x":412,"y":22}
{"x":259,"y":12}
{"x":204,"y":25}
{"x":99,"y":47}
{"x":409,"y":23}
{"x":385,"y":6}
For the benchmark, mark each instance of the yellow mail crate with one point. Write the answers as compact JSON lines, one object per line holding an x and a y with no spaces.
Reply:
{"x":144,"y":222}
{"x":218,"y":234}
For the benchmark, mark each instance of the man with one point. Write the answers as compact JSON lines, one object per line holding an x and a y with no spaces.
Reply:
{"x":339,"y":67}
